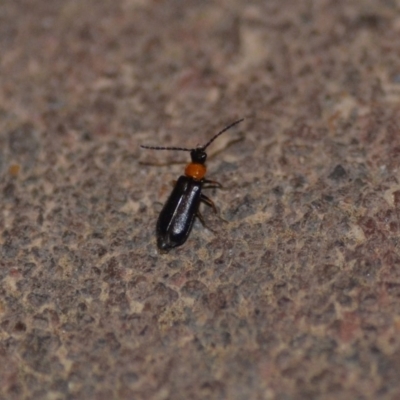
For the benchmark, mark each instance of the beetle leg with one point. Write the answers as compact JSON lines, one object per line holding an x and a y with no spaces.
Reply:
{"x":212,"y":184}
{"x":201,"y":218}
{"x":210,"y":203}
{"x":203,"y":222}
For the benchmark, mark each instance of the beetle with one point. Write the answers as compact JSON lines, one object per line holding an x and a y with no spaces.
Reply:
{"x":177,"y":216}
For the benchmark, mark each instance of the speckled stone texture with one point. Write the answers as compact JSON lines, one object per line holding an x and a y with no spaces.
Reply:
{"x":297,"y":296}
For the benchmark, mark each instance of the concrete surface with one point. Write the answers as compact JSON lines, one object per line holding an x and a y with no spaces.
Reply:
{"x":297,"y":296}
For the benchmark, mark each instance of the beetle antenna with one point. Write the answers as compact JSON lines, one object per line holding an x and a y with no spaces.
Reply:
{"x":201,"y":147}
{"x":221,"y":132}
{"x":165,"y":148}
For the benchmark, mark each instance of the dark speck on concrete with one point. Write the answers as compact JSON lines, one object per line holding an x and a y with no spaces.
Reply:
{"x":338,"y":173}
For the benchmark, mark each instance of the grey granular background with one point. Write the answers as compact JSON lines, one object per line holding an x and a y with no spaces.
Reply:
{"x":297,"y":296}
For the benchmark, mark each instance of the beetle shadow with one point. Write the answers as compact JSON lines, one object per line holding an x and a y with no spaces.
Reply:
{"x":228,"y":144}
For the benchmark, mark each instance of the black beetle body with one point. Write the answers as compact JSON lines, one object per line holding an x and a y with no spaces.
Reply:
{"x":177,"y":216}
